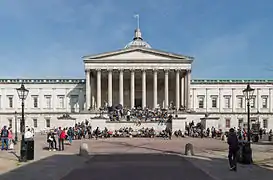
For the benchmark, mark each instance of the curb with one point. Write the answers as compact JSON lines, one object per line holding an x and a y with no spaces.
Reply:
{"x":262,"y":160}
{"x":256,"y":162}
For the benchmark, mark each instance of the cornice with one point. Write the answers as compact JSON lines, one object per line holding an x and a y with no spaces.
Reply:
{"x":82,"y":81}
{"x":42,"y":81}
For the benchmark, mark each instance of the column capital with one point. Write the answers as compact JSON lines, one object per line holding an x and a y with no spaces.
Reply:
{"x":177,"y":70}
{"x":109,"y":70}
{"x":98,"y":69}
{"x":87,"y":70}
{"x":121,"y":69}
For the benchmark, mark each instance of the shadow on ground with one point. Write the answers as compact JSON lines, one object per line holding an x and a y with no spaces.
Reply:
{"x":134,"y":167}
{"x":264,"y":143}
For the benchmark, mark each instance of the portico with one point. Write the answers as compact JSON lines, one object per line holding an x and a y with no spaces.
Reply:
{"x":138,"y":76}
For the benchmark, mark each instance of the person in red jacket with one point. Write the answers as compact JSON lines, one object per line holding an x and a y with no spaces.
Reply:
{"x":62,"y":138}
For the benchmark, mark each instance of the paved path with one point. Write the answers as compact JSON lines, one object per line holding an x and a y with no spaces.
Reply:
{"x":133,"y":158}
{"x":138,"y":166}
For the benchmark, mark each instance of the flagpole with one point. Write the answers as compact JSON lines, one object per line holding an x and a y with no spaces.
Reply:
{"x":137,"y":17}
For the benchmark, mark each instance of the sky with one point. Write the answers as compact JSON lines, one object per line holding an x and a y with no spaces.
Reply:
{"x":47,"y":39}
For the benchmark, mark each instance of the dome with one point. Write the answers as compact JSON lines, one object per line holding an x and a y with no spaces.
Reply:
{"x":138,"y":41}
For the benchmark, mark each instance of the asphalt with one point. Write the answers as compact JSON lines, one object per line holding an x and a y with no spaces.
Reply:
{"x":138,"y":166}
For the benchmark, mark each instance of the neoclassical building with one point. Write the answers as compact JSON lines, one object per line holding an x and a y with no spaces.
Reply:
{"x":136,"y":76}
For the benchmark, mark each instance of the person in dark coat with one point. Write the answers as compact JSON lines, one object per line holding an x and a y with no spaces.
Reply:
{"x":233,"y":148}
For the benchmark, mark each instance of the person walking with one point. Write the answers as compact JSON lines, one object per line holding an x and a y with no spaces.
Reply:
{"x":10,"y":137}
{"x":70,"y":135}
{"x":4,"y":138}
{"x":62,"y":138}
{"x":97,"y":133}
{"x":233,"y":149}
{"x":52,"y":141}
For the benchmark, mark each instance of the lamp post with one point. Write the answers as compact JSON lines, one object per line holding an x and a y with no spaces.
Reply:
{"x":248,"y":92}
{"x":22,"y":93}
{"x":16,"y":133}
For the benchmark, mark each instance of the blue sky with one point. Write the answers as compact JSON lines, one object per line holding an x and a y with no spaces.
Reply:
{"x":46,"y":39}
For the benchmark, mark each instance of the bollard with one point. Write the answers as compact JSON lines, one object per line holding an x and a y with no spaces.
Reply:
{"x":189,"y":149}
{"x":84,"y":150}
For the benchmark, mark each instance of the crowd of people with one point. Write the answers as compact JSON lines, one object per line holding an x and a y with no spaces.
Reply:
{"x":8,"y":139}
{"x":118,"y":113}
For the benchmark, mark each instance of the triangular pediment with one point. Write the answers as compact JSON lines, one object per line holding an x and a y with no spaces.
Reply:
{"x":137,"y":53}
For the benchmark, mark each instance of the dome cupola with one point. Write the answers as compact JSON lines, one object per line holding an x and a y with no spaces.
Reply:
{"x":138,"y":41}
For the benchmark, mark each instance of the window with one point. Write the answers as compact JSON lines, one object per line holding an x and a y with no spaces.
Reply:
{"x":240,"y":122}
{"x":10,"y":99}
{"x":227,"y":101}
{"x":252,"y":102}
{"x":74,"y":102}
{"x":201,"y":101}
{"x":264,"y":101}
{"x":48,"y":123}
{"x":265,"y":123}
{"x":48,"y":102}
{"x":214,"y":101}
{"x":35,"y":123}
{"x":10,"y":123}
{"x":60,"y":101}
{"x":227,"y":123}
{"x":240,"y":101}
{"x":35,"y":101}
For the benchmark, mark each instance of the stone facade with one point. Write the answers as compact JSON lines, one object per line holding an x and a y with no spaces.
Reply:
{"x":136,"y":76}
{"x":221,"y":100}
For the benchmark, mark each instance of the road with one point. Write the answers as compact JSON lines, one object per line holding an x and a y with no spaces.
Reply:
{"x":138,"y":166}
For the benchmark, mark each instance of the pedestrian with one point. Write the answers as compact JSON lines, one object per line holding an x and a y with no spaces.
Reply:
{"x":4,"y":138}
{"x":62,"y":138}
{"x":70,"y":135}
{"x":10,"y":137}
{"x":97,"y":132}
{"x":52,"y":141}
{"x":233,"y":149}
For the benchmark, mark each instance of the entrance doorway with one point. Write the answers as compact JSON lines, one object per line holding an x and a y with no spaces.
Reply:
{"x":138,"y":103}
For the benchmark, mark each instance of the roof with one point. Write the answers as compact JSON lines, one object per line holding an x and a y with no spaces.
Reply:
{"x":82,"y":81}
{"x":231,"y":81}
{"x":142,"y":49}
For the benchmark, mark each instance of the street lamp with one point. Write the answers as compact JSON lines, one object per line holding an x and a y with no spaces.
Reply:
{"x":248,"y":92}
{"x":22,"y":93}
{"x":16,"y":134}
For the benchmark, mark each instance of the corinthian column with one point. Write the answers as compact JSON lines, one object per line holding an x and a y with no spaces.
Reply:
{"x":110,"y":88}
{"x":166,"y":89}
{"x":155,"y":88}
{"x":98,"y":88}
{"x":87,"y":89}
{"x":132,"y":88}
{"x":143,"y":89}
{"x":188,"y":89}
{"x":177,"y":101}
{"x":121,"y":87}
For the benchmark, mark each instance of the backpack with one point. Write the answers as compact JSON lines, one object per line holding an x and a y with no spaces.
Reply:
{"x":62,"y":135}
{"x":69,"y":132}
{"x":5,"y":133}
